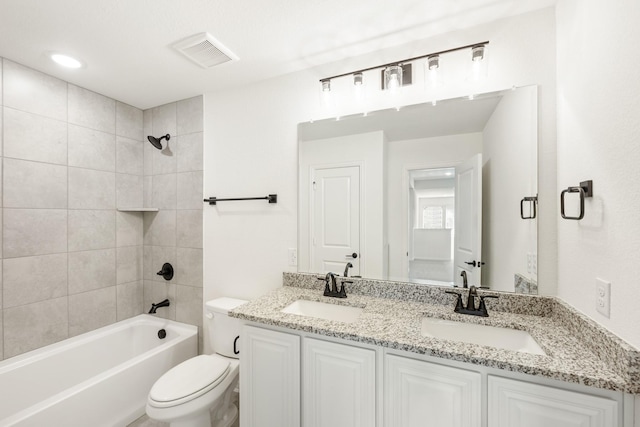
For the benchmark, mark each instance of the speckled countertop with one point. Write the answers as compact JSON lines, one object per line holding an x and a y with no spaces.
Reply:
{"x":592,"y":357}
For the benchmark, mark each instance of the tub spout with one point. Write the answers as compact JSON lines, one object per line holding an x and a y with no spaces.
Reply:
{"x":154,"y":307}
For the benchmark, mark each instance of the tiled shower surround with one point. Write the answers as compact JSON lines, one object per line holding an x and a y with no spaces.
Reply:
{"x":71,"y":261}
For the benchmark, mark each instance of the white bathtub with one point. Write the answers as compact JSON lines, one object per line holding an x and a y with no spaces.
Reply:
{"x":100,"y":378}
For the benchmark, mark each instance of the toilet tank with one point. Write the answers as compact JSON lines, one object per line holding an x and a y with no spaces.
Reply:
{"x":224,"y":330}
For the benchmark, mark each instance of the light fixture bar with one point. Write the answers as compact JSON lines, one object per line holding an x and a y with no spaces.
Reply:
{"x":470,"y":46}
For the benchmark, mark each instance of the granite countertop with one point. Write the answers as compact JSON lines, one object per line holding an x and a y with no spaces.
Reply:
{"x":396,"y":323}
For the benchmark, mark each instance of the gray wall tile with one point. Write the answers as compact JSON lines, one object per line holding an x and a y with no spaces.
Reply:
{"x":34,"y":185}
{"x":163,"y":191}
{"x":189,"y":153}
{"x":129,"y":300}
{"x":92,"y":149}
{"x":163,"y":161}
{"x":160,"y":228}
{"x":190,"y":190}
{"x":89,"y":189}
{"x":31,"y":326}
{"x":33,"y":279}
{"x":91,"y":110}
{"x":29,"y":232}
{"x":129,"y":191}
{"x":190,"y":115}
{"x":148,"y":148}
{"x":128,"y":121}
{"x":189,"y":306}
{"x":189,"y":267}
{"x":129,"y":226}
{"x":189,"y":228}
{"x":91,"y":270}
{"x":164,"y":120}
{"x":92,"y":310}
{"x":91,"y":229}
{"x":32,"y":137}
{"x":129,"y":156}
{"x":129,"y":264}
{"x":34,"y":92}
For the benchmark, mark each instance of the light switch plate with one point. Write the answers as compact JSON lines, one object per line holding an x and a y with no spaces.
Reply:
{"x":603,"y":297}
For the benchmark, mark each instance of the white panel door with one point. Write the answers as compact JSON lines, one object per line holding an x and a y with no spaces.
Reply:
{"x":335,"y":219}
{"x":269,"y":378}
{"x":468,"y":220}
{"x":423,"y":394}
{"x":339,"y":383}
{"x":515,"y":403}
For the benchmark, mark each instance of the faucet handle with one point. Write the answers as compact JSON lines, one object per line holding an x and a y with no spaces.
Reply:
{"x":482,"y":308}
{"x":326,"y":285}
{"x":458,"y":300}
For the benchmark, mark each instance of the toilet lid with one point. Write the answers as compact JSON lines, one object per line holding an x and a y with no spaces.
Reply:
{"x":190,"y":377}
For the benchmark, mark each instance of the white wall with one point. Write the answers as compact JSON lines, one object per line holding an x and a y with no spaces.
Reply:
{"x":509,"y":161}
{"x":599,"y":139}
{"x":251,"y":149}
{"x":423,"y":153}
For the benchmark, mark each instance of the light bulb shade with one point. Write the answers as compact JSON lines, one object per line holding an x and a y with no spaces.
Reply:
{"x":326,"y":85}
{"x":433,"y":62}
{"x":479,"y":63}
{"x":358,"y":79}
{"x":393,"y":77}
{"x":433,"y":73}
{"x":477,"y":53}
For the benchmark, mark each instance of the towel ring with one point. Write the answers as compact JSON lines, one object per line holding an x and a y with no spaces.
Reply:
{"x":585,"y":189}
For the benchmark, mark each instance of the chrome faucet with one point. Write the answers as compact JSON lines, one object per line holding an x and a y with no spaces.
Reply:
{"x":471,"y":309}
{"x":154,"y":307}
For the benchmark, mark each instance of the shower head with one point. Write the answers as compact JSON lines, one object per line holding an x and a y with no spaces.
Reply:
{"x":157,"y":142}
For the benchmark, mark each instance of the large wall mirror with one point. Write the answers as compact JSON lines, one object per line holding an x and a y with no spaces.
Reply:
{"x":431,"y":194}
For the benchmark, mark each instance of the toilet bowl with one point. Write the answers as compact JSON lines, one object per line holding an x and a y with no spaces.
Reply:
{"x":198,"y":392}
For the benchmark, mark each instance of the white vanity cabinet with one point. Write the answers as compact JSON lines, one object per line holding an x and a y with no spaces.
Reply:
{"x":339,"y":385}
{"x":269,"y":378}
{"x":515,"y":403}
{"x":423,"y":394}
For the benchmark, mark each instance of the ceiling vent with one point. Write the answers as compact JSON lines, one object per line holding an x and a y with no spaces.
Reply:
{"x":204,"y":50}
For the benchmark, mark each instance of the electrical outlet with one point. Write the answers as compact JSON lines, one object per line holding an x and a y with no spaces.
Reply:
{"x":293,"y":257}
{"x":603,"y":297}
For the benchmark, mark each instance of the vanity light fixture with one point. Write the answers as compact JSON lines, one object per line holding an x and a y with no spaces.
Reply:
{"x":397,"y":74}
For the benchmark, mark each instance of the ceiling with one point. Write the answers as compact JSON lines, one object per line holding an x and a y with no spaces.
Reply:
{"x":126,"y":44}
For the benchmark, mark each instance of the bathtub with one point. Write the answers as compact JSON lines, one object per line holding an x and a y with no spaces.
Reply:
{"x":100,"y":378}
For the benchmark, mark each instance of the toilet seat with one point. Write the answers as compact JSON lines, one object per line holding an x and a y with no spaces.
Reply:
{"x":189,"y":380}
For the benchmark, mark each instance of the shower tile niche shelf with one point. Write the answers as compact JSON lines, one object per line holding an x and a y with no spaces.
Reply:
{"x":137,"y":209}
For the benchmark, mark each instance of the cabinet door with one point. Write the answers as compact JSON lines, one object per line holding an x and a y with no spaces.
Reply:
{"x":339,"y":384}
{"x":269,"y":378}
{"x":423,"y":394}
{"x":515,"y":403}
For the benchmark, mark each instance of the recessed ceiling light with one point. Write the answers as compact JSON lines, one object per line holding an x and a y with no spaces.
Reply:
{"x":66,"y":60}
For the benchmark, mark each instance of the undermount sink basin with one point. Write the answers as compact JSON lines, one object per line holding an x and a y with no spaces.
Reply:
{"x":509,"y":339}
{"x":322,"y":310}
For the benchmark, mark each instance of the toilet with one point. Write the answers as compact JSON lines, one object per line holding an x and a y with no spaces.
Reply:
{"x":198,"y":391}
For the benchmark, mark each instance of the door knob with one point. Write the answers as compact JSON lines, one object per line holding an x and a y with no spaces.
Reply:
{"x":353,"y":255}
{"x":472,"y":263}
